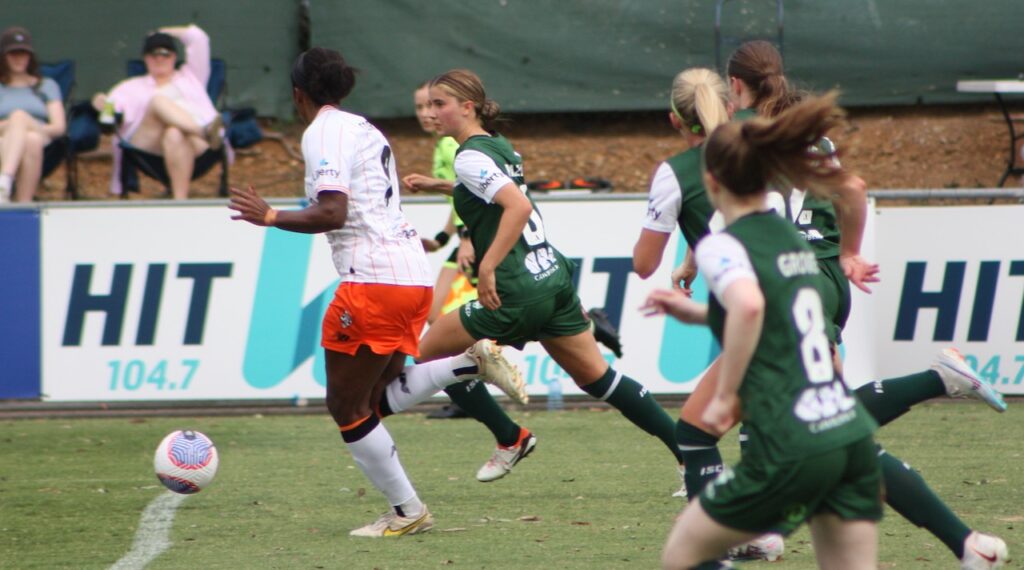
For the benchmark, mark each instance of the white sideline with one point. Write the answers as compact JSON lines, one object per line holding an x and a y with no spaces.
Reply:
{"x":153,"y":535}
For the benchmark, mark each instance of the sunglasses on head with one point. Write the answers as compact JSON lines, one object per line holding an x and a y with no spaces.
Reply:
{"x":161,"y":52}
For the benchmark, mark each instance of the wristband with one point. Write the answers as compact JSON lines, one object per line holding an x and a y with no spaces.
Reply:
{"x":270,"y":217}
{"x":442,"y":238}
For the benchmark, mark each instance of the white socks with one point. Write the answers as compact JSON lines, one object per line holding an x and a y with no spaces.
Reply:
{"x":421,"y":381}
{"x":376,"y":455}
{"x":6,"y":184}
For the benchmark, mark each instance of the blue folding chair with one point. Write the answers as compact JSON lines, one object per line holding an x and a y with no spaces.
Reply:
{"x":152,"y":165}
{"x":82,"y":132}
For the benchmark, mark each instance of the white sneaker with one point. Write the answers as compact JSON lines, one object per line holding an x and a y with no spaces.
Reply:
{"x":962,"y":382}
{"x":767,"y":547}
{"x":496,"y":370}
{"x":983,"y":551}
{"x":505,"y":458}
{"x":681,"y":493}
{"x":390,"y":524}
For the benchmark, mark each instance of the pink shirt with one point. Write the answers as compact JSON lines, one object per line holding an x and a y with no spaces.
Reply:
{"x":131,"y":96}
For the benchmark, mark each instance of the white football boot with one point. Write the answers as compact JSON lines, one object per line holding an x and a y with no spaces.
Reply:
{"x":497,"y":371}
{"x":392,"y":525}
{"x":962,"y":382}
{"x":983,"y":551}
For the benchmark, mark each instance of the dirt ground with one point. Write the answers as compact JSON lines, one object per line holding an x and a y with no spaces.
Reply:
{"x":904,"y":147}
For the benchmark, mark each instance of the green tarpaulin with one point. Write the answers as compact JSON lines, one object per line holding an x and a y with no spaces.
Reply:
{"x":551,"y":55}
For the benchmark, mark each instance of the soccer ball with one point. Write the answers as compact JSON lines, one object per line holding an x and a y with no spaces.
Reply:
{"x":186,"y":461}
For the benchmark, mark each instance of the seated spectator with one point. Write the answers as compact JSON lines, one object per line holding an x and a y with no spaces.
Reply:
{"x":31,"y":115}
{"x":167,"y":112}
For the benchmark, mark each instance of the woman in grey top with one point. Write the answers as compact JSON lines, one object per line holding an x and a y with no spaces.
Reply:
{"x":31,"y":115}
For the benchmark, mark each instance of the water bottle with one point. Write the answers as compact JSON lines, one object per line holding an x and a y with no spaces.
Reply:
{"x":107,"y":119}
{"x":555,"y":394}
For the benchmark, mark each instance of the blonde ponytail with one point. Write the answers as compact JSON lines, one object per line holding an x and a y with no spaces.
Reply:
{"x":699,"y":98}
{"x":710,"y":107}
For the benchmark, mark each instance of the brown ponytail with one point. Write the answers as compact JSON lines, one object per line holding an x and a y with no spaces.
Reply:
{"x":747,"y":157}
{"x":465,"y":85}
{"x":759,"y":65}
{"x":772,"y":96}
{"x":488,"y":112}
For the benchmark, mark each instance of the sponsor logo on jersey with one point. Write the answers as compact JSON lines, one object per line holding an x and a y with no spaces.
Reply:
{"x":324,"y":169}
{"x":804,"y":218}
{"x":811,"y":234}
{"x":652,"y":213}
{"x":406,"y":232}
{"x":514,"y":170}
{"x":487,"y":178}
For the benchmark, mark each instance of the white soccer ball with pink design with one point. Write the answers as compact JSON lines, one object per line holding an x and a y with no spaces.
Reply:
{"x":186,"y":461}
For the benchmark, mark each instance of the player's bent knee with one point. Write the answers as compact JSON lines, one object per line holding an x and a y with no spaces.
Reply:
{"x":173,"y":136}
{"x":345,"y":410}
{"x":35,"y":143}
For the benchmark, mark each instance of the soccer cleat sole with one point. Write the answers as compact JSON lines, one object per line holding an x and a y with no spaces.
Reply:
{"x":515,"y":387}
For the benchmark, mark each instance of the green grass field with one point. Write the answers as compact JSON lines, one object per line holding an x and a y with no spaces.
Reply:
{"x":595,"y":494}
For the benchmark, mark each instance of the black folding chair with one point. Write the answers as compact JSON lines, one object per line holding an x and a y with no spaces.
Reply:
{"x":152,"y":165}
{"x":78,"y":137}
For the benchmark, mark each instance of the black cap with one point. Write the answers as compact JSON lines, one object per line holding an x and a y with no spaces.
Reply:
{"x":15,"y":38}
{"x":158,"y":40}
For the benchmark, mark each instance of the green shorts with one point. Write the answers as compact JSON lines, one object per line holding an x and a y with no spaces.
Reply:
{"x":557,"y":316}
{"x":777,"y":497}
{"x":836,"y":301}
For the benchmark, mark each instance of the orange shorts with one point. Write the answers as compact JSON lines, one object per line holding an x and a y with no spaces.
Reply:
{"x":386,"y":318}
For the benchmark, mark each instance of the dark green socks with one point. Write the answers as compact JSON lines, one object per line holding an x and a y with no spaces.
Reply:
{"x":700,"y":455}
{"x":908,"y":494}
{"x":472,"y":396}
{"x":887,"y":400}
{"x":637,"y":404}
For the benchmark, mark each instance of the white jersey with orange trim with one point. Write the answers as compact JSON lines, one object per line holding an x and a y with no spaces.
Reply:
{"x":346,"y":153}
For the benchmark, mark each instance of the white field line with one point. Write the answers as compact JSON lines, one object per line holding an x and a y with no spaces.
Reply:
{"x":154,"y":533}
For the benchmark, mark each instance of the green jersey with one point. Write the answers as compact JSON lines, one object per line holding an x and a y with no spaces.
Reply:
{"x":814,"y":217}
{"x":744,"y":114}
{"x":677,"y":197}
{"x":792,"y":400}
{"x":816,"y":221}
{"x":532,"y":270}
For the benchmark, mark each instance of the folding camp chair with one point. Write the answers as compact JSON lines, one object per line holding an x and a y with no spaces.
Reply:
{"x":79,"y":135}
{"x":152,"y":165}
